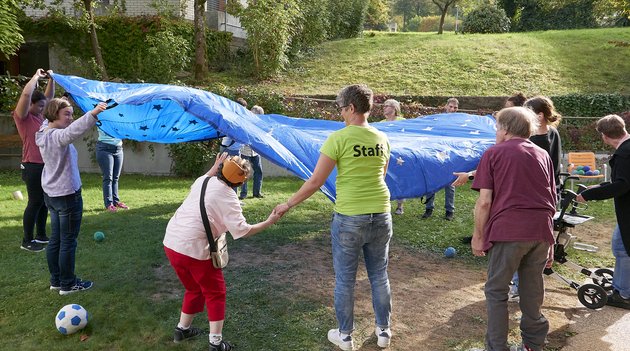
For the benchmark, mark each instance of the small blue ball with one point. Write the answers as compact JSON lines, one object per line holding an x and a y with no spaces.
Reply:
{"x":450,"y":252}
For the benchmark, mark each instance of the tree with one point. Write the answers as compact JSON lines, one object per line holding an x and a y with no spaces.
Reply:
{"x":411,"y":8}
{"x":10,"y":37}
{"x":443,"y":5}
{"x":509,"y":6}
{"x":377,"y":14}
{"x":200,"y":70}
{"x":96,"y":48}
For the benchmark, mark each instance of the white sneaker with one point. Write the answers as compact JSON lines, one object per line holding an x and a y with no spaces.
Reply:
{"x":383,"y":336}
{"x":344,"y":342}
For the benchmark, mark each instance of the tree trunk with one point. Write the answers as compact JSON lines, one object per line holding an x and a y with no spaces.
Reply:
{"x":201,"y":58}
{"x":96,"y":48}
{"x":441,"y":27}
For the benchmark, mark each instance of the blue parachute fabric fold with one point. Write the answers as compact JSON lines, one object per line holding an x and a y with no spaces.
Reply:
{"x":425,"y":150}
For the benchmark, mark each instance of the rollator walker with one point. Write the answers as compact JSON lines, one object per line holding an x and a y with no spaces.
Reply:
{"x":592,"y":295}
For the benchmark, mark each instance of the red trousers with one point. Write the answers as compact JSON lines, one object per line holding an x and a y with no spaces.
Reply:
{"x":203,"y":283}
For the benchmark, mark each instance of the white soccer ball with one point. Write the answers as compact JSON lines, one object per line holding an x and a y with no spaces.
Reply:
{"x":71,"y":318}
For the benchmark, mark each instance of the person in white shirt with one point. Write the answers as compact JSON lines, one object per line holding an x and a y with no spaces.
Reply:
{"x":186,"y":245}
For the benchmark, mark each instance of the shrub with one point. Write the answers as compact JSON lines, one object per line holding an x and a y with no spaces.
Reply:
{"x":486,"y":18}
{"x":192,"y":159}
{"x":431,"y":24}
{"x":10,"y":90}
{"x":166,"y":55}
{"x":413,"y":25}
{"x":346,"y":18}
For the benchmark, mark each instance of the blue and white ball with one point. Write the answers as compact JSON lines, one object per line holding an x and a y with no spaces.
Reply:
{"x":450,"y":252}
{"x":71,"y":318}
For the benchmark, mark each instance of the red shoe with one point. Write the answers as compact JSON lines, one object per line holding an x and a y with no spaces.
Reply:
{"x":122,"y":205}
{"x":111,"y":208}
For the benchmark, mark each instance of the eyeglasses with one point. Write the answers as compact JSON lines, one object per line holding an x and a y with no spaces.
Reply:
{"x":340,"y":108}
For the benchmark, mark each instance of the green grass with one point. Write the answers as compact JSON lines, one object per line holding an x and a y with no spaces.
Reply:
{"x":550,"y":62}
{"x":136,"y":299}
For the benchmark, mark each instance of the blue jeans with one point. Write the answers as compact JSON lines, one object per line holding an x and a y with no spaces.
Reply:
{"x":258,"y":175}
{"x":351,"y":235}
{"x":621,"y":278}
{"x":65,"y":221}
{"x":449,"y":199}
{"x":110,"y":160}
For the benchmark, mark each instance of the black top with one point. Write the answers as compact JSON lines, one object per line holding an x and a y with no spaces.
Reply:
{"x":550,"y":142}
{"x":618,"y":188}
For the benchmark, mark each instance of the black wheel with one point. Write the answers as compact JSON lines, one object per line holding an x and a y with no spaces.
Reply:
{"x":606,"y":278}
{"x":592,"y":296}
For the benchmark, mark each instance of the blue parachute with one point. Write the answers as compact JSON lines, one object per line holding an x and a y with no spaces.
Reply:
{"x":425,"y":150}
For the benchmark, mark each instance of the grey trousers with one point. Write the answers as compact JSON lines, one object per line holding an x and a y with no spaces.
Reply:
{"x":504,"y":258}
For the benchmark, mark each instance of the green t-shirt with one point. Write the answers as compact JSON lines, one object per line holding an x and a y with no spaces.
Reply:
{"x":361,"y":154}
{"x":399,"y":118}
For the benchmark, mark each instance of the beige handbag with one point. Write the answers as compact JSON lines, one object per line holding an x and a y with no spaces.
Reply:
{"x":218,"y":247}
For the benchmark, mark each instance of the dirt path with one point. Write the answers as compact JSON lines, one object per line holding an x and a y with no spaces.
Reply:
{"x":438,"y":303}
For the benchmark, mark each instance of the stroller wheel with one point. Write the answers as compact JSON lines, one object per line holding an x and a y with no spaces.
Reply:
{"x":592,"y":296}
{"x":606,"y":278}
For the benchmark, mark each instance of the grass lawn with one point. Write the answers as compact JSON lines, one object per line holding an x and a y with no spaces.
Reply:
{"x":550,"y":62}
{"x":135,"y":302}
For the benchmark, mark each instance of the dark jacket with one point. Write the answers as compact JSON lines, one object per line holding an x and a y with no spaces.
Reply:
{"x":550,"y":142}
{"x":619,"y":188}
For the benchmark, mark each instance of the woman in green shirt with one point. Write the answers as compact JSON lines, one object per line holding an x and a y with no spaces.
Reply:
{"x":361,"y":221}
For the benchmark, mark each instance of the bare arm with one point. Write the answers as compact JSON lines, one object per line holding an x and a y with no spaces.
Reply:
{"x":259,"y":227}
{"x":462,"y":177}
{"x":50,"y":87}
{"x":482,"y":213}
{"x":23,"y":104}
{"x":324,"y":167}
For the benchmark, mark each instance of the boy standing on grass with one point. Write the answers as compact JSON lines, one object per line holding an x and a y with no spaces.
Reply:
{"x":613,"y":131}
{"x":514,"y":226}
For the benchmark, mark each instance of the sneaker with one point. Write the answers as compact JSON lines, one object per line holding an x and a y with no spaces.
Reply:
{"x":467,"y":240}
{"x":55,"y":288}
{"x":616,"y":300}
{"x":223,"y":346}
{"x":345,"y":343}
{"x":513,"y":293}
{"x":259,"y":196}
{"x":33,"y":246}
{"x":383,"y":336}
{"x":399,"y":211}
{"x":242,"y":197}
{"x":427,"y":213}
{"x":183,"y":334}
{"x":449,"y":216}
{"x":81,"y":285}
{"x":111,"y":208}
{"x":122,"y":205}
{"x":522,"y":347}
{"x":43,"y":239}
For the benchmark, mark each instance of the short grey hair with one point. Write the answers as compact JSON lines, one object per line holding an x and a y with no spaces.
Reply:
{"x":518,"y":121}
{"x":357,"y":95}
{"x":393,"y":103}
{"x":258,"y":110}
{"x":453,"y":100}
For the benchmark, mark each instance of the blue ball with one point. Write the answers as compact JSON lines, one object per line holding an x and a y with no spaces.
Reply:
{"x":586,"y":168}
{"x":450,"y":252}
{"x":596,"y":172}
{"x":589,"y":173}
